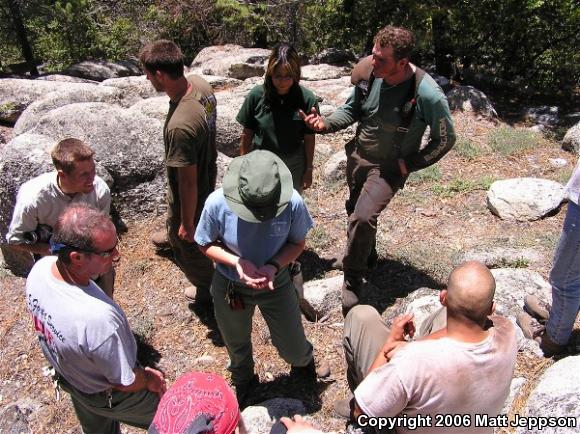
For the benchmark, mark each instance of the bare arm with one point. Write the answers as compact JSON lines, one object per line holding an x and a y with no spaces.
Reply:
{"x":145,"y":378}
{"x":246,"y":142}
{"x":187,"y":181}
{"x":309,"y":143}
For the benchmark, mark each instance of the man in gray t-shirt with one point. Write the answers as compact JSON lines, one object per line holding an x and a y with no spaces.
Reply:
{"x":83,"y":333}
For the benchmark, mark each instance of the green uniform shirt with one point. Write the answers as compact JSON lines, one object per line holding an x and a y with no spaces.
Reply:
{"x":279,"y":128}
{"x":189,"y":136}
{"x":379,"y":118}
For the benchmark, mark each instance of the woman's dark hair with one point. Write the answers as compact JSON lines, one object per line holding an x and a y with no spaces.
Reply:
{"x":287,"y":57}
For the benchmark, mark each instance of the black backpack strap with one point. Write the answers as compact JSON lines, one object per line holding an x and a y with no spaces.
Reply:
{"x":407,"y":111}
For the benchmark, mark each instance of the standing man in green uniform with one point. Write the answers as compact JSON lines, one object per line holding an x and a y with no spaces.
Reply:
{"x":394,"y":102}
{"x":189,"y":136}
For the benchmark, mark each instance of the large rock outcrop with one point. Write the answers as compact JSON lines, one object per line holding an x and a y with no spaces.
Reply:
{"x":231,"y":61}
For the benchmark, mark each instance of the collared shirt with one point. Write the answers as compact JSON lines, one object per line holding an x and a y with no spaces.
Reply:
{"x":256,"y":242}
{"x":41,"y":201}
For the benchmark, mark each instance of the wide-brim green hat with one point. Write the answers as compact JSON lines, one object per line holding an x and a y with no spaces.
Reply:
{"x":257,"y":186}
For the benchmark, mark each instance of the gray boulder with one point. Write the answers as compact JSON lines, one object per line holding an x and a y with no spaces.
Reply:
{"x":546,"y":116}
{"x":322,"y":72}
{"x":133,"y":88}
{"x":322,"y":297}
{"x":335,"y":167}
{"x":557,"y":395}
{"x":231,"y":61}
{"x":501,"y":257}
{"x":16,"y":94}
{"x":470,"y":99}
{"x":334,"y":56}
{"x":512,"y":285}
{"x":571,"y":140}
{"x":515,"y":387}
{"x":218,"y":82}
{"x":75,"y":93}
{"x":100,"y":70}
{"x":128,"y":144}
{"x":229,"y":131}
{"x":334,"y":91}
{"x":524,"y":199}
{"x":421,"y":302}
{"x":65,"y":79}
{"x":156,"y":107}
{"x":258,"y":419}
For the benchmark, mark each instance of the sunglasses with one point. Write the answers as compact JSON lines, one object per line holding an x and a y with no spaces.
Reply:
{"x":55,"y":247}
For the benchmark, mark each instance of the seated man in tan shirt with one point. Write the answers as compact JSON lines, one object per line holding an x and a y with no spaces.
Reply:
{"x":463,"y":369}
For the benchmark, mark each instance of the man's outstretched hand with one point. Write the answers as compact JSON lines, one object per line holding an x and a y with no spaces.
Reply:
{"x":313,"y":120}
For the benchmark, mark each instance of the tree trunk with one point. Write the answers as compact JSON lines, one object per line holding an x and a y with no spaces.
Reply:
{"x":22,"y":36}
{"x":444,"y":53}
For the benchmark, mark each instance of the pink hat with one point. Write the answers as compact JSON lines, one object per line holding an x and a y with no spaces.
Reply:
{"x":198,"y":402}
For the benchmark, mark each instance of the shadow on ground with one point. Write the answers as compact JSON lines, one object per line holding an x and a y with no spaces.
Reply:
{"x":207,"y":317}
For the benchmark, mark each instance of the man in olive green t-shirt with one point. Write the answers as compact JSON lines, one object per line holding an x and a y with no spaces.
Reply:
{"x":394,"y":102}
{"x":189,"y":136}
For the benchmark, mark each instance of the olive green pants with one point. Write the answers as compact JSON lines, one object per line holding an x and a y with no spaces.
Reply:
{"x":281,"y":313}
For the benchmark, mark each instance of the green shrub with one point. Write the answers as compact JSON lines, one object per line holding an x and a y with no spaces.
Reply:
{"x":467,"y":149}
{"x":509,"y":141}
{"x":428,"y":174}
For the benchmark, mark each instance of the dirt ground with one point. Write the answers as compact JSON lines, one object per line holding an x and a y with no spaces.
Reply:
{"x":438,"y":215}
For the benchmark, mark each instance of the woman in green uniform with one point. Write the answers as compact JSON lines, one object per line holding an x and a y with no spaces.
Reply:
{"x":271,"y":120}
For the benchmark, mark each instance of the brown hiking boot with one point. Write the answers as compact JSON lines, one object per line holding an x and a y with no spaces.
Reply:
{"x":530,"y":326}
{"x":537,"y":308}
{"x":160,"y":240}
{"x":551,"y":348}
{"x":351,"y":293}
{"x":197,"y":295}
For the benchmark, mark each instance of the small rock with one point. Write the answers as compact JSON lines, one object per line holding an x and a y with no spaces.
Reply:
{"x":258,"y":419}
{"x":205,"y":360}
{"x":571,"y":141}
{"x":558,"y":162}
{"x":524,"y":199}
{"x":546,"y":116}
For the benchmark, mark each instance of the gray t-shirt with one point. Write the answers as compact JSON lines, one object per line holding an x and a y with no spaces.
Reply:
{"x":257,"y":242}
{"x":41,"y":201}
{"x":83,"y":334}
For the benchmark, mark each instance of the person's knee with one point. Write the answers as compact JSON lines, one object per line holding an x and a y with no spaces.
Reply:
{"x":358,"y":317}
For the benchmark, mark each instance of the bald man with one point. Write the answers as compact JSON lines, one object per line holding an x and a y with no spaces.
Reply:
{"x":464,"y":368}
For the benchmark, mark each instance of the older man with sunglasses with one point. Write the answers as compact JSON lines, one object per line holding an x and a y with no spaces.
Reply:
{"x":83,"y":333}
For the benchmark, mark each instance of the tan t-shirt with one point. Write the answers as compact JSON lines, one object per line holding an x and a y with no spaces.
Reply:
{"x":189,"y":136}
{"x":444,"y":377}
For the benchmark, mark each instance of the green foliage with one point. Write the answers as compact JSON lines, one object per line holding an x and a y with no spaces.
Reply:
{"x":462,"y":186}
{"x":467,"y":149}
{"x":509,"y":141}
{"x":429,"y":174}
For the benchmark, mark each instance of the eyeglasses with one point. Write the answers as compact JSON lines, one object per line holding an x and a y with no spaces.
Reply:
{"x":282,"y":77}
{"x":55,"y":247}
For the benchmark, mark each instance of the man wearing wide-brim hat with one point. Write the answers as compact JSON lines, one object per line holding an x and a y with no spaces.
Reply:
{"x":252,"y":228}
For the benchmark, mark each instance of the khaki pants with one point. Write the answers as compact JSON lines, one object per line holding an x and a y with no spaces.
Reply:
{"x":281,"y":313}
{"x":371,"y":188}
{"x":101,"y":413}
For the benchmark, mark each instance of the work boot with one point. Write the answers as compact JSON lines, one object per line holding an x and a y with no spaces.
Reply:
{"x":244,"y":391}
{"x":160,"y":240}
{"x":530,"y":326}
{"x":351,"y":293}
{"x":537,"y":308}
{"x":343,"y":407}
{"x":549,"y":347}
{"x":200,"y":296}
{"x":310,"y":371}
